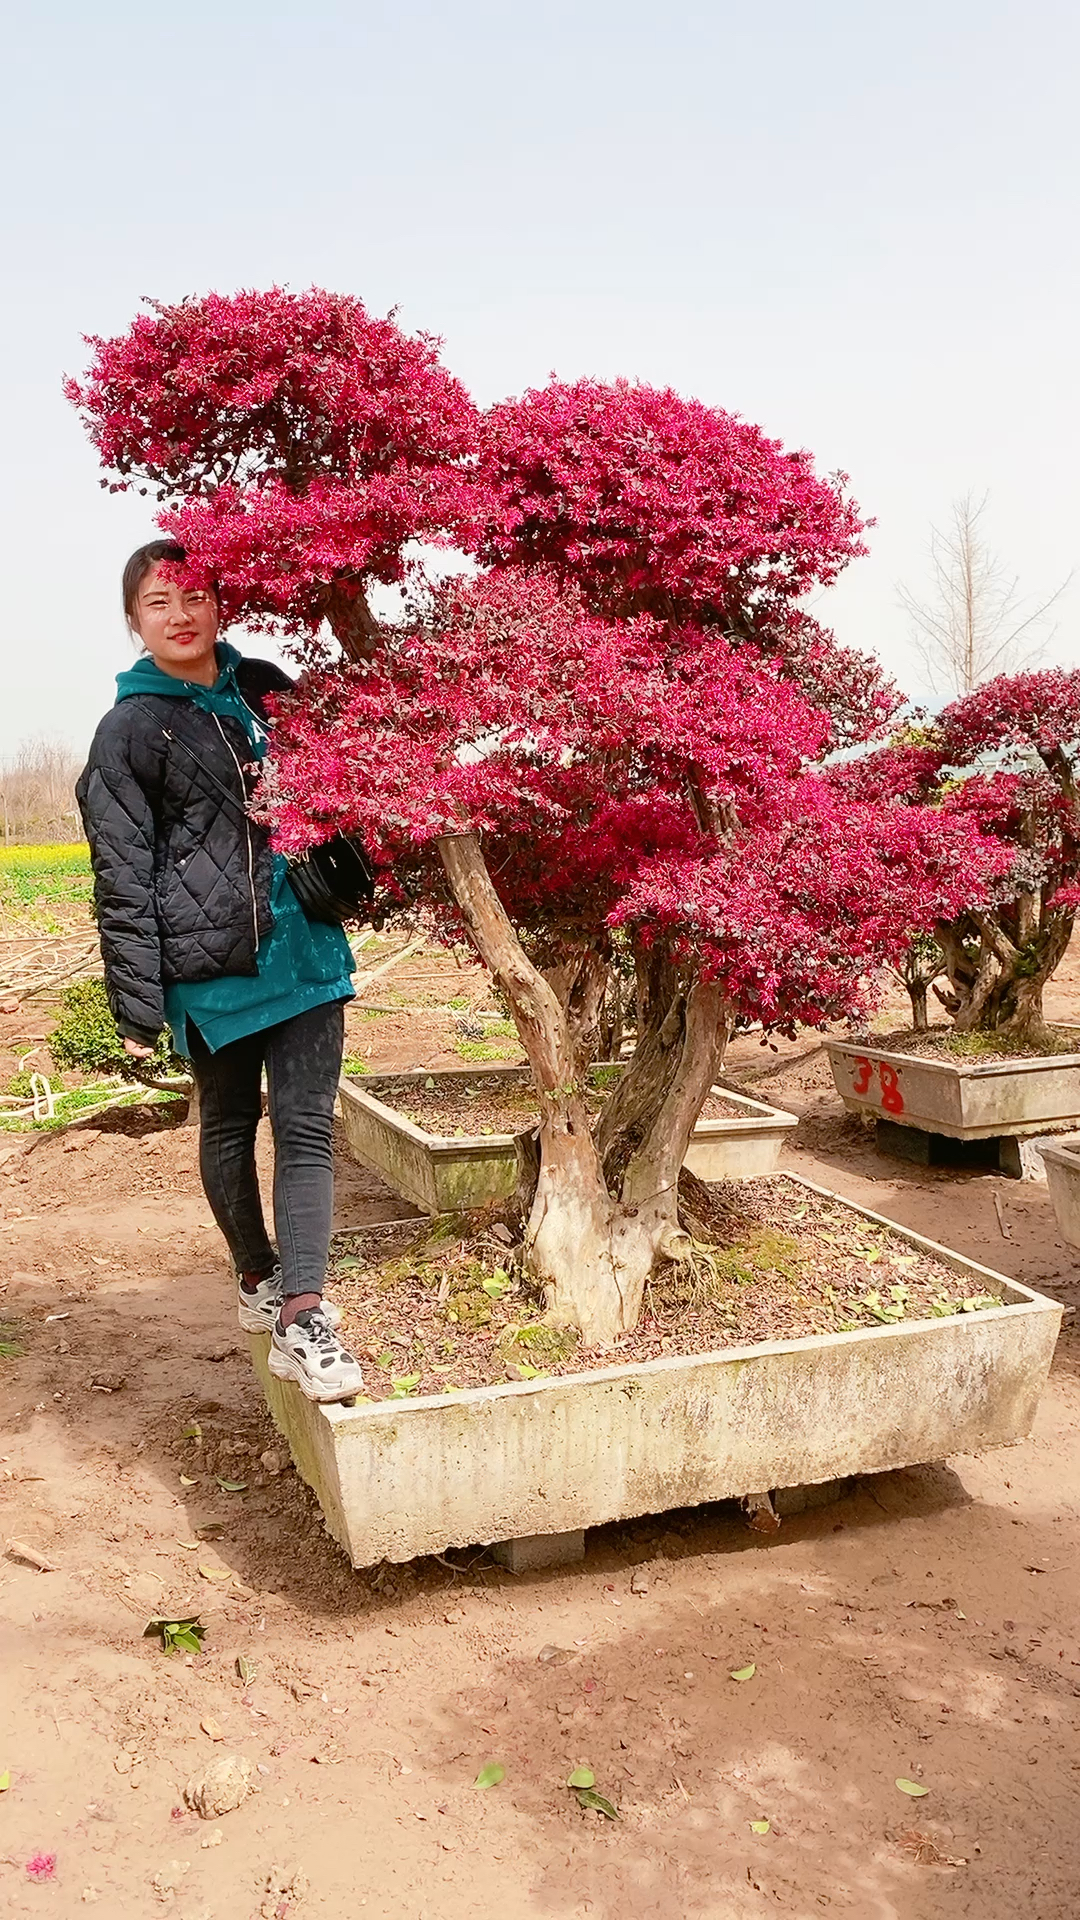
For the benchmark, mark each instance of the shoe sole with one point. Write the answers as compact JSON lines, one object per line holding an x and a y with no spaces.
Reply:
{"x":284,"y":1367}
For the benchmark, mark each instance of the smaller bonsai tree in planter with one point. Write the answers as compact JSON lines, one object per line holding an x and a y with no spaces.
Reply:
{"x":1007,"y":758}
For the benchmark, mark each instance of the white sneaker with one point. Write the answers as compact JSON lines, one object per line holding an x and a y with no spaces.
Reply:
{"x":258,"y":1311}
{"x":309,"y":1353}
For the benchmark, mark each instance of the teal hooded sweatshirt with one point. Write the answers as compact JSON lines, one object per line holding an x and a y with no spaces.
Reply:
{"x":301,"y":963}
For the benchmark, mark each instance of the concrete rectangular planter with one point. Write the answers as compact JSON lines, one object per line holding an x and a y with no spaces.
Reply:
{"x":554,"y":1456}
{"x":1062,"y":1163}
{"x":982,"y":1100}
{"x":444,"y":1175}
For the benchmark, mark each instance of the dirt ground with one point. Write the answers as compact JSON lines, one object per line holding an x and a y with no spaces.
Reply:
{"x":925,"y":1627}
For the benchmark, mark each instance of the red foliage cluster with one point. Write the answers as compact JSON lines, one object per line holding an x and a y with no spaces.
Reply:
{"x":649,"y":502}
{"x":621,"y":773}
{"x":305,"y":440}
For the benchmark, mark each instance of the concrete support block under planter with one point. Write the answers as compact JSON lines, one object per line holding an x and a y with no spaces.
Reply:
{"x":557,"y":1455}
{"x":447,"y":1175}
{"x":965,"y":1100}
{"x":1062,"y":1162}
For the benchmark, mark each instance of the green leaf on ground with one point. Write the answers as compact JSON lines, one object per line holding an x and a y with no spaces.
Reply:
{"x":912,"y":1788}
{"x":232,"y":1486}
{"x":759,"y":1826}
{"x":744,"y":1673}
{"x":495,"y":1284}
{"x":582,"y":1777}
{"x":246,"y":1668}
{"x":192,"y":1431}
{"x":177,"y":1636}
{"x":587,"y":1798}
{"x":5,"y":1782}
{"x":490,"y":1775}
{"x":403,"y":1384}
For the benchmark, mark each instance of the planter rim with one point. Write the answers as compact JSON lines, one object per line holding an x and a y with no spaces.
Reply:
{"x":1029,"y":1300}
{"x":1066,"y":1151}
{"x":973,"y":1070}
{"x":759,"y":1117}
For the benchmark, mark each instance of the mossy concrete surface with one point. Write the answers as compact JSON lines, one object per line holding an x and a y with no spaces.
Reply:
{"x":968,"y":1100}
{"x":407,"y":1477}
{"x":446,"y":1175}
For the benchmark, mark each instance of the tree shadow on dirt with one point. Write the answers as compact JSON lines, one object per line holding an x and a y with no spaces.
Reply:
{"x":858,"y":1682}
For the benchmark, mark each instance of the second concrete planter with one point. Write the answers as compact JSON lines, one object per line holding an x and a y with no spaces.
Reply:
{"x":442,"y":1174}
{"x":1062,"y":1163}
{"x":966,"y":1100}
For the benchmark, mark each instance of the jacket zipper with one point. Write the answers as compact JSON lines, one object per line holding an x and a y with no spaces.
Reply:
{"x":247,"y":832}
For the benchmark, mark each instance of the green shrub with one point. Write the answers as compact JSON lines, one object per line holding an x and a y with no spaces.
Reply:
{"x":85,"y":1038}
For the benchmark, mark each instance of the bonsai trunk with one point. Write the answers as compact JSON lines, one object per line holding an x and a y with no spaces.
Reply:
{"x":918,"y":991}
{"x":350,"y":619}
{"x":593,"y":1237}
{"x":998,"y":974}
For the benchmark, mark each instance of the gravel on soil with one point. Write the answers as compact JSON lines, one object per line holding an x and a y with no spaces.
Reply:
{"x":477,"y":1108}
{"x":444,"y":1308}
{"x":966,"y":1049}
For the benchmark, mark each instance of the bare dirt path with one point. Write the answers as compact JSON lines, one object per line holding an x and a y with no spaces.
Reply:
{"x":926,"y":1627}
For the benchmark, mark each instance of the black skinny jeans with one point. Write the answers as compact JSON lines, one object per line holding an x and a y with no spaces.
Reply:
{"x":302,"y":1058}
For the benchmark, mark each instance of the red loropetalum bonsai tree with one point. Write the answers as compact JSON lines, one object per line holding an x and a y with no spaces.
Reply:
{"x":301,"y":443}
{"x":613,"y":730}
{"x":1005,"y":757}
{"x":610,"y":732}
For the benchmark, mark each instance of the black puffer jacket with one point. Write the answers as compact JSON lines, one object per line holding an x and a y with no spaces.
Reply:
{"x":181,"y":876}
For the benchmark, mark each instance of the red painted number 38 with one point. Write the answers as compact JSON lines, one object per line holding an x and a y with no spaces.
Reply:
{"x":891,"y":1097}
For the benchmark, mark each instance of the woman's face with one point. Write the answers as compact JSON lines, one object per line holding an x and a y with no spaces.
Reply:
{"x":177,"y":627}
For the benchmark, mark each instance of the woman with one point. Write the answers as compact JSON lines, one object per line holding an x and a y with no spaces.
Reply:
{"x":201,"y":931}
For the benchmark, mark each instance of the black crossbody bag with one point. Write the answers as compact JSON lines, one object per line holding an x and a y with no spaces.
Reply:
{"x":333,"y":882}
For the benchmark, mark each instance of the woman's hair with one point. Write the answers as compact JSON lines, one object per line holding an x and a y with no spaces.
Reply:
{"x":139,"y":566}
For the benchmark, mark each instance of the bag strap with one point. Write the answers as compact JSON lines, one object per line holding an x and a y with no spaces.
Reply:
{"x":226,"y":792}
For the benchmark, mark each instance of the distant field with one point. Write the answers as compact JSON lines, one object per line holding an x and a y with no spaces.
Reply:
{"x":43,"y":877}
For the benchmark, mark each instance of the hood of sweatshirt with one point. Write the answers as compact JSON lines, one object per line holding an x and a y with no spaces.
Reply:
{"x":223,"y":697}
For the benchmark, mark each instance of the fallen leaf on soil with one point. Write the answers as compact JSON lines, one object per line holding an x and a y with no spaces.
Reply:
{"x":189,"y":1546}
{"x":5,"y":1782}
{"x":246,"y":1668}
{"x":759,"y":1826}
{"x":216,"y":1573}
{"x":192,"y":1431}
{"x":221,"y":1787}
{"x":41,"y":1866}
{"x":211,"y":1729}
{"x":913,"y":1788}
{"x":586,"y":1797}
{"x":18,"y":1550}
{"x":182,"y":1634}
{"x":187,"y":1481}
{"x":582,"y":1777}
{"x":232,"y":1486}
{"x":547,"y":1655}
{"x":490,"y":1775}
{"x":743,"y":1673}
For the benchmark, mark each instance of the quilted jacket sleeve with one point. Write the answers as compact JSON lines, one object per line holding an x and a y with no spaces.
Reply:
{"x":119,"y":824}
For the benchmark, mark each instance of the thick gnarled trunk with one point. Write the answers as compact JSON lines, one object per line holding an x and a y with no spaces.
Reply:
{"x":592,"y":1238}
{"x":998,"y":974}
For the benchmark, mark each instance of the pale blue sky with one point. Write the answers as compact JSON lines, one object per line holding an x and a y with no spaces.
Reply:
{"x":853,"y":223}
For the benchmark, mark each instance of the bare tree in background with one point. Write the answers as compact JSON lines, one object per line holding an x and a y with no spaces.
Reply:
{"x":37,"y":793}
{"x":975,"y":623}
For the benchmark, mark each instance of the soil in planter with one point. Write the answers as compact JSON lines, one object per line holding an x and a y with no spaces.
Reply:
{"x":966,"y":1049}
{"x":443,"y":1309}
{"x":481,"y":1107}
